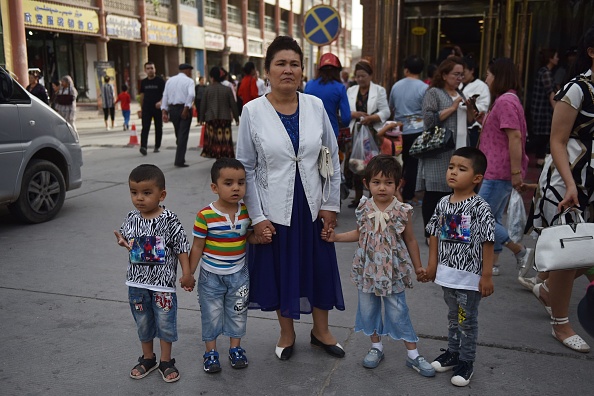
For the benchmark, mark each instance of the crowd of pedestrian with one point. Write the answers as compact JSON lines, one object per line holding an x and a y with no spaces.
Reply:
{"x":279,"y":189}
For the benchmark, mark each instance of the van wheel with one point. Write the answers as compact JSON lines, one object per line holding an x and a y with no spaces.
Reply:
{"x":43,"y":191}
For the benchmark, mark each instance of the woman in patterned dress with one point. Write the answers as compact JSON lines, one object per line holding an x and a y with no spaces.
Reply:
{"x":216,"y":108}
{"x":280,"y":138}
{"x":568,"y":173}
{"x":66,"y":100}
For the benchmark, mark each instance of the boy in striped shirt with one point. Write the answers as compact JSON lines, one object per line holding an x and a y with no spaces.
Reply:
{"x":220,"y":233}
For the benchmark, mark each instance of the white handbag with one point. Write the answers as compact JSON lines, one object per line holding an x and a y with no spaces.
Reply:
{"x":565,"y":245}
{"x":326,"y":171}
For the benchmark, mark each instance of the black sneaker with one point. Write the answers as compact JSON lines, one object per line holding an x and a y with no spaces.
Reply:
{"x":462,"y":373}
{"x":446,"y":361}
{"x":143,"y":150}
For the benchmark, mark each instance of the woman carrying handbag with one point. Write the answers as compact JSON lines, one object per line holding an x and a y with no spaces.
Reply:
{"x":568,"y":173}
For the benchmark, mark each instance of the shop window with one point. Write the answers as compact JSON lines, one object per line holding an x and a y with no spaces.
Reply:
{"x":191,"y":3}
{"x":284,"y":28}
{"x":212,"y":9}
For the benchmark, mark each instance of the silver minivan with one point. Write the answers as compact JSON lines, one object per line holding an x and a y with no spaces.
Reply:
{"x":40,"y":155}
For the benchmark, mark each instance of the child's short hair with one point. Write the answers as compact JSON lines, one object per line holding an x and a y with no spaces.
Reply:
{"x":147,"y":172}
{"x":386,"y":165}
{"x":222,"y":163}
{"x":476,"y":156}
{"x":124,"y":87}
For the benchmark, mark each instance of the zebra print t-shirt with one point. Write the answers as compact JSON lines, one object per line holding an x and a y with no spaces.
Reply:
{"x":461,"y":228}
{"x":159,"y":276}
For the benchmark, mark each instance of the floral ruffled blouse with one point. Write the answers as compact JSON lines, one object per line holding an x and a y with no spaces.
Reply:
{"x":382,"y":264}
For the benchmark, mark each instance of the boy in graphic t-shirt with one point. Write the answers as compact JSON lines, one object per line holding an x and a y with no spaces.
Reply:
{"x":156,"y":241}
{"x":220,"y":233}
{"x":462,"y":231}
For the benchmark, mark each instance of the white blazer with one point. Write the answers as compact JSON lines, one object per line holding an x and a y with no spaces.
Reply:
{"x":266,"y":151}
{"x":377,"y":102}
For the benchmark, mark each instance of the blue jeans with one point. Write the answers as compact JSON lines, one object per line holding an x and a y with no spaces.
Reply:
{"x":462,"y":321}
{"x":126,"y":115}
{"x":155,"y":314}
{"x":496,"y":193}
{"x":223,"y":303}
{"x":395,"y":323}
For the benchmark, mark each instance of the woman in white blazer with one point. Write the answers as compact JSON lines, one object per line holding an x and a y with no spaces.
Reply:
{"x":369,"y":106}
{"x":280,"y":138}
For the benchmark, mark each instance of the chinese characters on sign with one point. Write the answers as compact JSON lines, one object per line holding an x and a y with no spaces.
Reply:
{"x":161,"y":33}
{"x":122,"y":27}
{"x":55,"y":16}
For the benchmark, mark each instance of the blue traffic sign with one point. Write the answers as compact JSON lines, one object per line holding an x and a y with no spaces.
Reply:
{"x":321,"y":25}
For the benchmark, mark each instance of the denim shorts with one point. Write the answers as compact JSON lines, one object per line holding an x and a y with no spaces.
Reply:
{"x":155,"y":314}
{"x":395,"y":322}
{"x":223,"y":303}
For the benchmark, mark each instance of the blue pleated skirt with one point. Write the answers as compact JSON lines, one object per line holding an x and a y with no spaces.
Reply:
{"x":298,"y":270}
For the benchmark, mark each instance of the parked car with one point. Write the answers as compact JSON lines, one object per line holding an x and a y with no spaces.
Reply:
{"x":40,"y":154}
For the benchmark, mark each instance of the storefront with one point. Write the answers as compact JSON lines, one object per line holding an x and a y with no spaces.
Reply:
{"x":215,"y":45}
{"x":193,"y":42}
{"x":163,"y":51}
{"x":124,"y":34}
{"x":236,"y":57}
{"x":57,"y":38}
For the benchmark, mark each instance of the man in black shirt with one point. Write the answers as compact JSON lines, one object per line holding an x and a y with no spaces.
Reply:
{"x":151,"y":92}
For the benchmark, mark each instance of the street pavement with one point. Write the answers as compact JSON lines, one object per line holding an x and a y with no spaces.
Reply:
{"x":66,"y":327}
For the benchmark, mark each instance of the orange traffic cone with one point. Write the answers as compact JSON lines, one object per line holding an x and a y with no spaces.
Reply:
{"x":133,"y":138}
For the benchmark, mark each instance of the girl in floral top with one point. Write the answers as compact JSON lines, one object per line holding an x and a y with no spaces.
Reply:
{"x":382,"y":264}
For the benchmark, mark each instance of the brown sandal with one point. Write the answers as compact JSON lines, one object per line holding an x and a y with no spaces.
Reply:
{"x":168,"y":368}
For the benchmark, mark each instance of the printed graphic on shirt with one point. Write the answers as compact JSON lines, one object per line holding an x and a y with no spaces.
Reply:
{"x":455,"y":228}
{"x":147,"y":250}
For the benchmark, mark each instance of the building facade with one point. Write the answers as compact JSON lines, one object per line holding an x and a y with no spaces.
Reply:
{"x":88,"y":38}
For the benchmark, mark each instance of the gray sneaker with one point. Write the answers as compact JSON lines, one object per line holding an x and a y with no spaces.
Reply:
{"x":524,"y":263}
{"x":421,"y":366}
{"x":373,"y":358}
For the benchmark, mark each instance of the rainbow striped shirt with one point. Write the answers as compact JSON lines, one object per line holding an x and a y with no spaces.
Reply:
{"x":224,"y":250}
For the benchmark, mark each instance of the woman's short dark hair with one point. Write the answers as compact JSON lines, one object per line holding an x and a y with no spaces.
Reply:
{"x":386,"y":165}
{"x":365,"y":66}
{"x":505,"y":76}
{"x":584,"y":62}
{"x":445,"y":67}
{"x":414,"y":64}
{"x":545,"y":55}
{"x":328,"y":74}
{"x":279,"y":44}
{"x":148,"y":172}
{"x":216,"y":74}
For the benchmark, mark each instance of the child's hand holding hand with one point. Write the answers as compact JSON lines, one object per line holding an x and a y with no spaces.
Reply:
{"x":421,"y":274}
{"x":121,"y":240}
{"x":486,"y":286}
{"x":430,"y":274}
{"x":187,"y":282}
{"x":266,"y":236}
{"x":329,"y":236}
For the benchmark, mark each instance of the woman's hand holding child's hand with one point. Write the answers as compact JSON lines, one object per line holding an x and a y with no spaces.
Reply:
{"x":266,"y":236}
{"x":187,"y":282}
{"x":121,"y":241}
{"x":328,"y":236}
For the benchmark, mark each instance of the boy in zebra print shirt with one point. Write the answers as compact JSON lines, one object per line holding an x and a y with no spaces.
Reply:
{"x":462,"y":231}
{"x":156,"y":241}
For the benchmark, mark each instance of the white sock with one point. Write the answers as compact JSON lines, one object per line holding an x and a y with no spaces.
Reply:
{"x":378,"y":345}
{"x":412,"y":353}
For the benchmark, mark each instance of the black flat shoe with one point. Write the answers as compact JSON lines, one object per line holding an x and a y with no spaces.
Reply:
{"x":284,"y":353}
{"x":182,"y":165}
{"x":333,"y":350}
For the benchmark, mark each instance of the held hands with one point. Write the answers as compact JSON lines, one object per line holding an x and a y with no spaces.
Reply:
{"x":121,"y":240}
{"x":421,"y":275}
{"x":430,"y":274}
{"x":328,"y":235}
{"x":265,"y":238}
{"x":263,"y":232}
{"x":187,"y":282}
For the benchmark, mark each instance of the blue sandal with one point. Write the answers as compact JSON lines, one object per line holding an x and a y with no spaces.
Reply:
{"x":211,"y":362}
{"x":238,"y":358}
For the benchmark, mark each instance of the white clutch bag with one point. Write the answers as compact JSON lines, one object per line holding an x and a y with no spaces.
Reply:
{"x":565,"y":245}
{"x":326,"y":171}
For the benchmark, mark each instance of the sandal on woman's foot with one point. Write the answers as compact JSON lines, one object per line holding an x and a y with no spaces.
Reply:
{"x":168,"y":368}
{"x":574,"y":342}
{"x":536,"y":292}
{"x":144,"y":367}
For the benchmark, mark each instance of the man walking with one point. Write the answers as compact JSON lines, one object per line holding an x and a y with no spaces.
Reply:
{"x":178,"y":98}
{"x":151,"y":92}
{"x":199,"y":92}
